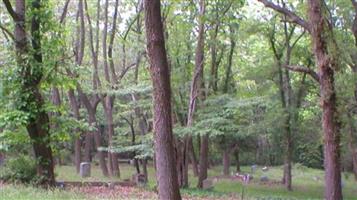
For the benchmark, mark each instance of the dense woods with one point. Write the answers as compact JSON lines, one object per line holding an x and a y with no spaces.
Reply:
{"x":174,"y":90}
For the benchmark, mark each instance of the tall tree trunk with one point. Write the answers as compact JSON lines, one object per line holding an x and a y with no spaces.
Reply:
{"x":353,"y":139}
{"x":111,"y":78}
{"x":286,"y":94}
{"x":196,"y":85}
{"x":38,"y":124}
{"x":322,"y":37}
{"x":165,"y":162}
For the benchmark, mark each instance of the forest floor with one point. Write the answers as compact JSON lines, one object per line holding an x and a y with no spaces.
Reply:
{"x":307,"y":184}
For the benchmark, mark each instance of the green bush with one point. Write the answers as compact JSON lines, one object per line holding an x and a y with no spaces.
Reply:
{"x":20,"y":169}
{"x":310,"y":155}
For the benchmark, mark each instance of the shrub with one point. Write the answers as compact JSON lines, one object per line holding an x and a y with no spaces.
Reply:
{"x":20,"y":169}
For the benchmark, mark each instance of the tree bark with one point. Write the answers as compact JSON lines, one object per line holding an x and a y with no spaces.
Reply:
{"x":322,"y":37}
{"x":38,"y":124}
{"x":351,"y":143}
{"x":353,"y":140}
{"x":226,"y":161}
{"x":228,"y":73}
{"x":203,"y":160}
{"x":193,"y":157}
{"x":324,"y":45}
{"x":165,"y":162}
{"x":77,"y":144}
{"x":236,"y":155}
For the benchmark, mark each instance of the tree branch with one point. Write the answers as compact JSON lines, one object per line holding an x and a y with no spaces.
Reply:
{"x":291,"y":15}
{"x":11,"y":11}
{"x":64,"y":12}
{"x":7,"y":32}
{"x":303,"y":69}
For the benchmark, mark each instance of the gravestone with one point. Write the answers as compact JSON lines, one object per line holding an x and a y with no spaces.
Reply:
{"x":264,"y":179}
{"x":60,"y":184}
{"x":111,"y":185}
{"x":84,"y":169}
{"x":139,"y":180}
{"x":253,"y":168}
{"x":316,"y":178}
{"x":265,"y":169}
{"x":132,"y":162}
{"x":207,"y":184}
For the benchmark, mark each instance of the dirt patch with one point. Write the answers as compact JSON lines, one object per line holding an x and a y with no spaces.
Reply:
{"x":119,"y":192}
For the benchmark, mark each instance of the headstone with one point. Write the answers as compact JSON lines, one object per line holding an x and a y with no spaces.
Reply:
{"x":247,"y":178}
{"x":316,"y":178}
{"x":84,"y":169}
{"x":207,"y":184}
{"x":265,"y":169}
{"x":111,"y":185}
{"x":253,"y":168}
{"x":132,"y":162}
{"x":60,"y":184}
{"x":139,"y":179}
{"x":264,"y":179}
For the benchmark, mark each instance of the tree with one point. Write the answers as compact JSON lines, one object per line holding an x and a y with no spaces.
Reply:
{"x":198,"y":83}
{"x":165,"y":163}
{"x":30,"y":73}
{"x":326,"y":54}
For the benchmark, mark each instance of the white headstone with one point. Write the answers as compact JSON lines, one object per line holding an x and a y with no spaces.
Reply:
{"x":84,"y":169}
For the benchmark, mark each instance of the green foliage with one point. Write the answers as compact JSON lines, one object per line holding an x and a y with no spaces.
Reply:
{"x":310,"y":155}
{"x":143,"y":148}
{"x":19,"y":169}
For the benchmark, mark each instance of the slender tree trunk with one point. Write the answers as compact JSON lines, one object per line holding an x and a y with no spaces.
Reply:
{"x":77,"y":144}
{"x":214,"y":67}
{"x":203,"y":161}
{"x":193,"y":157}
{"x":288,"y":157}
{"x":286,"y":94}
{"x":181,"y":162}
{"x":133,"y":138}
{"x":112,"y":157}
{"x":227,"y":79}
{"x":111,"y":78}
{"x":165,"y":162}
{"x":226,"y":161}
{"x":97,"y":141}
{"x":236,"y":155}
{"x":144,"y":168}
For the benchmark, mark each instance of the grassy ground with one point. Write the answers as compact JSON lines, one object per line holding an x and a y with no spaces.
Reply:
{"x":304,"y":186}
